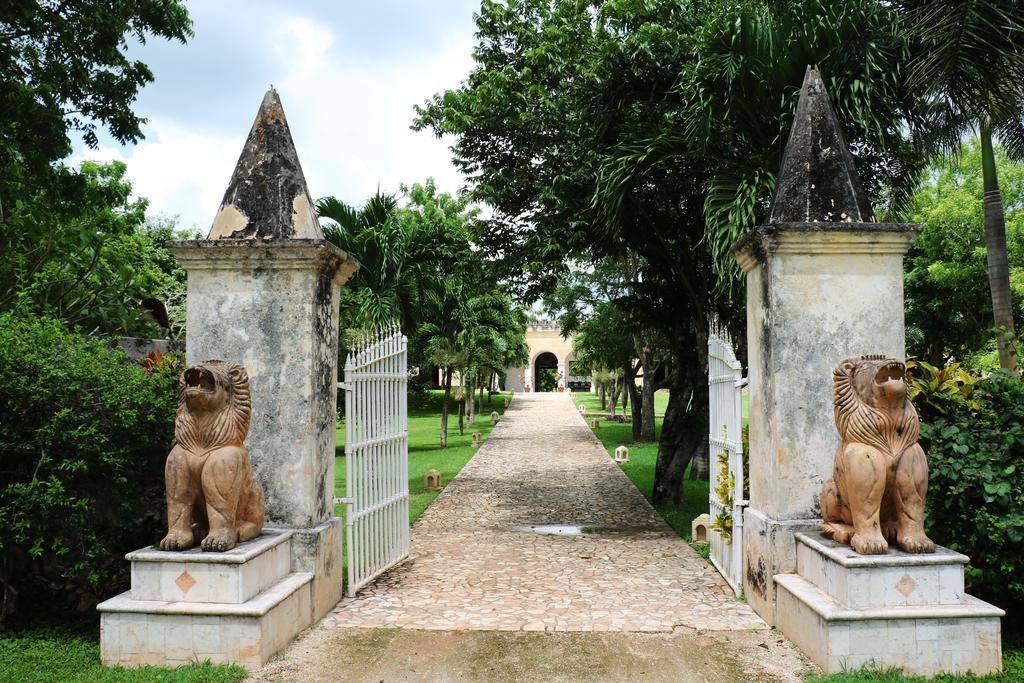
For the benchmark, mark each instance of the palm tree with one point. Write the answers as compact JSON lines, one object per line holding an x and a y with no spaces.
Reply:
{"x":445,"y":319}
{"x":968,"y":61}
{"x":397,"y":258}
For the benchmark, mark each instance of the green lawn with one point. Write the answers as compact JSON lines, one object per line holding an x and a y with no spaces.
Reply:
{"x":70,"y":651}
{"x":425,"y":452}
{"x":593,"y":402}
{"x":642,"y":457}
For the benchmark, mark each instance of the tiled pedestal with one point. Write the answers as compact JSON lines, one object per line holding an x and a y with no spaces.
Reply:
{"x":239,"y":606}
{"x":846,"y":610}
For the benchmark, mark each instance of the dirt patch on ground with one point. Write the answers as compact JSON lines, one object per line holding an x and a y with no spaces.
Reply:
{"x":685,"y":656}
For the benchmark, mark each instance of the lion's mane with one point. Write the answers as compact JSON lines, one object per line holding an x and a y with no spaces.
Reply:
{"x":229,"y":425}
{"x":862,"y":422}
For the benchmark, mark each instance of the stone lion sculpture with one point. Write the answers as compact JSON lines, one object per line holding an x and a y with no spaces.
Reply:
{"x":211,"y":495}
{"x":877,"y":493}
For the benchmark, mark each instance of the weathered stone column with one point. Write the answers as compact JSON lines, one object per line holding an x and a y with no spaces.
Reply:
{"x":263,"y":291}
{"x":824,"y":282}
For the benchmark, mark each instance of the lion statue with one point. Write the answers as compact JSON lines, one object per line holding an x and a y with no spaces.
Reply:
{"x":211,"y":495}
{"x":877,"y":493}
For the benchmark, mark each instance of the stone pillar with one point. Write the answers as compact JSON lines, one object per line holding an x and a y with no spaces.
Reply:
{"x":263,"y":291}
{"x":824,"y":282}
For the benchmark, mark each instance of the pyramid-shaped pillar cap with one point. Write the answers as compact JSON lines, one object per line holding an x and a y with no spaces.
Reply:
{"x":267,"y":198}
{"x":819,"y":204}
{"x":817,"y":181}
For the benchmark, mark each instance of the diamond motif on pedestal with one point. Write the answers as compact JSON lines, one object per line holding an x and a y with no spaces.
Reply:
{"x":906,"y":585}
{"x":185,"y":581}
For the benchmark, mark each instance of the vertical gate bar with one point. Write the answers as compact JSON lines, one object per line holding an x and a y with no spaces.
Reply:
{"x":403,"y":424}
{"x":391,"y":446}
{"x":360,"y":473}
{"x":388,"y":455}
{"x":375,"y":477}
{"x":369,"y":481}
{"x":396,"y":448}
{"x":393,"y":412}
{"x":362,"y":467}
{"x":348,"y":470}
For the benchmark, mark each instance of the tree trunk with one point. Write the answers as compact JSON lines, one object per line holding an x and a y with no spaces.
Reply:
{"x":684,"y":430}
{"x":444,"y":406}
{"x":614,"y":399}
{"x":995,"y":247}
{"x":469,"y":397}
{"x":635,"y":402}
{"x":646,"y":393}
{"x":601,"y":394}
{"x":462,"y":412}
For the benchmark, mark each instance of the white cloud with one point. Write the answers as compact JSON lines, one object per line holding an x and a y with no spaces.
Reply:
{"x":350,"y":121}
{"x":180,"y":171}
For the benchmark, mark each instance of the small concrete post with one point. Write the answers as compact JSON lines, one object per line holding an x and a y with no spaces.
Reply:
{"x":699,"y":528}
{"x":622,"y":453}
{"x":824,"y":282}
{"x":433,"y":480}
{"x":263,"y":291}
{"x":583,"y":409}
{"x":594,"y":424}
{"x":494,"y":417}
{"x":476,"y":440}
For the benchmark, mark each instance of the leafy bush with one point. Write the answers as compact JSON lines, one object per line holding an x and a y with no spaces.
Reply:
{"x":975,"y":447}
{"x":83,"y":438}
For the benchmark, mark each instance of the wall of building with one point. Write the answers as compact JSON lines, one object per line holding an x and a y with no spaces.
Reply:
{"x":542,"y":336}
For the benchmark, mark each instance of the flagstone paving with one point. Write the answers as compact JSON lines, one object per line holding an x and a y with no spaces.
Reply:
{"x":477,"y":564}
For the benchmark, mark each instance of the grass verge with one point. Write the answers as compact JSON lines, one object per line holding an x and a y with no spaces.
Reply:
{"x":70,"y":651}
{"x":1013,"y":672}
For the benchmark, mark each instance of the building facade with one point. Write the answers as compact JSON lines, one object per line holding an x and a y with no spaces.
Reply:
{"x":549,"y":350}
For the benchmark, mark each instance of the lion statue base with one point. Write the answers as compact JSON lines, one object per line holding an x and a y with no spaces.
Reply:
{"x":212,"y":498}
{"x":877,"y":494}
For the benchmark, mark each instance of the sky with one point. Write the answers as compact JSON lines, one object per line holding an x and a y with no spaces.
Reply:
{"x":348,"y":73}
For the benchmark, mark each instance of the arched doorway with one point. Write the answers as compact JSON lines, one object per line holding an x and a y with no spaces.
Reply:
{"x":545,"y":372}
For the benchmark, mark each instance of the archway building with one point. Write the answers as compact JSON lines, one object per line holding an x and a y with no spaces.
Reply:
{"x":548,"y":349}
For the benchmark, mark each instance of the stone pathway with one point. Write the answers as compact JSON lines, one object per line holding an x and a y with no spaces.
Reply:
{"x":478,"y":565}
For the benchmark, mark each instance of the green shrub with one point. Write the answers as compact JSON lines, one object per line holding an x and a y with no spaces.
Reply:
{"x":84,"y":432}
{"x":975,"y":447}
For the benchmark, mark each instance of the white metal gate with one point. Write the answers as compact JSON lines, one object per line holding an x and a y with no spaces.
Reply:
{"x":725,"y":388}
{"x":376,"y":456}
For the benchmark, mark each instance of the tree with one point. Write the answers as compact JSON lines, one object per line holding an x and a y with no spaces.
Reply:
{"x":64,"y":71}
{"x":97,"y":258}
{"x":419,"y":266}
{"x":607,"y":130}
{"x":602,"y":302}
{"x":64,"y":68}
{"x":375,"y":294}
{"x":949,"y":303}
{"x":969,"y":63}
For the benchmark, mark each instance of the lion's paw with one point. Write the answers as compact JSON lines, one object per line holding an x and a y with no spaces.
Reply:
{"x":219,"y":541}
{"x":175,"y":540}
{"x":917,"y":543}
{"x":869,"y":544}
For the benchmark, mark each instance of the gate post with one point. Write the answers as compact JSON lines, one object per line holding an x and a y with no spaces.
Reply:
{"x":824,"y":282}
{"x":263,"y":291}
